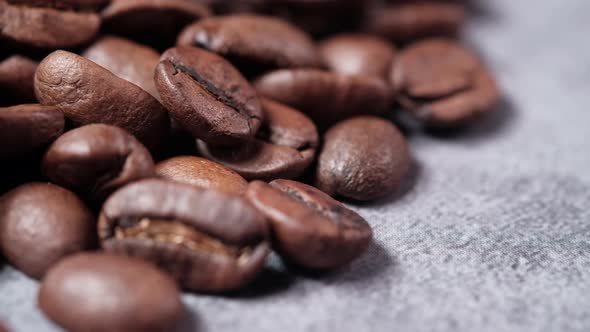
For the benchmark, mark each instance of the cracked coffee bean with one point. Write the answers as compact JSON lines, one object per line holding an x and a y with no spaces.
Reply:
{"x":28,"y":128}
{"x":253,"y":43}
{"x":443,"y":83}
{"x":208,"y":240}
{"x":40,"y":224}
{"x":363,"y":158}
{"x":95,"y":160}
{"x":16,"y":80}
{"x":208,"y":96}
{"x":324,"y":96}
{"x":284,"y":146}
{"x":88,"y":93}
{"x":103,"y":292}
{"x":202,"y":173}
{"x":309,"y":228}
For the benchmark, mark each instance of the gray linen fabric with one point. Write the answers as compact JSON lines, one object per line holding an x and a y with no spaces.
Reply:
{"x":494,"y":234}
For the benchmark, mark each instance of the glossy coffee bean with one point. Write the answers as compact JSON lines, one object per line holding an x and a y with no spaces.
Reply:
{"x":324,"y":96}
{"x":309,"y":228}
{"x":152,"y":22}
{"x":443,"y":83}
{"x":94,"y":292}
{"x":358,"y":54}
{"x":130,"y":61}
{"x":284,"y":147}
{"x":27,"y":128}
{"x":81,"y":5}
{"x":42,"y":223}
{"x":16,"y":80}
{"x":253,"y":43}
{"x":88,"y":93}
{"x":95,"y":160}
{"x":407,"y":22}
{"x":208,"y":240}
{"x":202,"y":173}
{"x":46,"y":27}
{"x":208,"y":96}
{"x":363,"y":158}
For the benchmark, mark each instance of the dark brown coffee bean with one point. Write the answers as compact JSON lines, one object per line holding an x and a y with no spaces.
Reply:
{"x":97,"y":159}
{"x":410,"y":21}
{"x":358,"y":54}
{"x":87,"y":93}
{"x":42,"y":223}
{"x":46,"y":27}
{"x":324,"y":96}
{"x":253,"y":43}
{"x":16,"y":80}
{"x":208,"y":96}
{"x":443,"y":83}
{"x":152,"y":22}
{"x":201,"y":173}
{"x":207,"y":240}
{"x":363,"y":158}
{"x":87,"y":5}
{"x":102,"y":292}
{"x":285,"y":146}
{"x":309,"y":228}
{"x":26,"y":128}
{"x":130,"y":61}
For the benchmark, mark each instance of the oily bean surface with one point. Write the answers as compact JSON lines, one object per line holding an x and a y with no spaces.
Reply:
{"x":103,"y":292}
{"x":363,"y":158}
{"x":42,"y":223}
{"x":310,"y":229}
{"x":16,"y":80}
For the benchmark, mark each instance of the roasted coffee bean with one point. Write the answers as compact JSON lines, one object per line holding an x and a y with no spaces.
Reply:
{"x":87,"y":93}
{"x":443,"y":83}
{"x":309,"y":228}
{"x":253,"y":43}
{"x":103,"y":292}
{"x":358,"y":54}
{"x":42,"y":223}
{"x":284,"y":147}
{"x":16,"y":80}
{"x":97,"y":159}
{"x":152,"y":22}
{"x":86,"y":5}
{"x":130,"y":61}
{"x":3,"y":327}
{"x":27,"y":128}
{"x":46,"y":27}
{"x":202,"y":173}
{"x":208,"y":96}
{"x":363,"y":158}
{"x":407,"y":22}
{"x":324,"y":96}
{"x":208,"y":240}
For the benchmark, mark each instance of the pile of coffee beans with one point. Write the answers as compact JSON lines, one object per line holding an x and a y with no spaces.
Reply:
{"x":149,"y":146}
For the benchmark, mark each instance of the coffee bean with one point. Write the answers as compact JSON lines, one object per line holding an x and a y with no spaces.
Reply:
{"x":86,"y":5}
{"x":42,"y":223}
{"x":16,"y":80}
{"x":410,"y":21}
{"x":128,"y":60}
{"x":358,"y":54}
{"x":363,"y":158}
{"x":201,"y":173}
{"x":284,"y":147}
{"x":152,"y":22}
{"x":3,"y":327}
{"x":309,"y":228}
{"x":253,"y":43}
{"x":207,"y":240}
{"x":46,"y":27}
{"x":27,"y":128}
{"x":443,"y":83}
{"x":102,"y":292}
{"x":87,"y":93}
{"x":324,"y":96}
{"x":95,"y":160}
{"x":207,"y":96}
